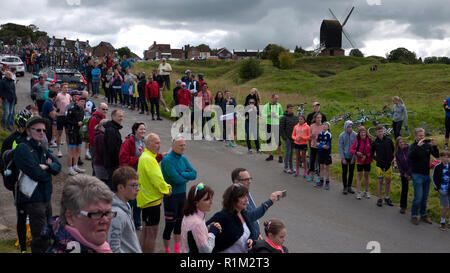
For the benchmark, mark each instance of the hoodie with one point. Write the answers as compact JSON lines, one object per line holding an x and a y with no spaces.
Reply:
{"x":346,"y":141}
{"x":122,"y":236}
{"x":111,"y":144}
{"x":287,"y":124}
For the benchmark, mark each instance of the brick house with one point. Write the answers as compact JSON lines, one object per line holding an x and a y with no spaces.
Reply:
{"x":104,"y":49}
{"x":246,"y":54}
{"x":224,"y":54}
{"x":201,"y":51}
{"x":157,"y":52}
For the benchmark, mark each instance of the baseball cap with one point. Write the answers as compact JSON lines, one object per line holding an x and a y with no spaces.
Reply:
{"x":187,"y":71}
{"x":178,"y":82}
{"x":316,"y":103}
{"x":35,"y":120}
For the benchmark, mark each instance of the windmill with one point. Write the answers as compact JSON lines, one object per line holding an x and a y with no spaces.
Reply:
{"x":331,"y":35}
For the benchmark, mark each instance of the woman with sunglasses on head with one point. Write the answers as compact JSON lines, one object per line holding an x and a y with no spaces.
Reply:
{"x":196,"y":236}
{"x":234,"y":220}
{"x":85,"y":217}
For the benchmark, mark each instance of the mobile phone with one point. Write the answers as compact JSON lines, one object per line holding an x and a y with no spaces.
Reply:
{"x":283,"y":194}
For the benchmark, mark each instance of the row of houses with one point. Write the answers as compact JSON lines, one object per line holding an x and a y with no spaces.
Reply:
{"x":201,"y":52}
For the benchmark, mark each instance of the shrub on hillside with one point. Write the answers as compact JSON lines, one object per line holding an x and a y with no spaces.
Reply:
{"x":356,"y":53}
{"x":402,"y":55}
{"x":286,"y":60}
{"x":250,"y":69}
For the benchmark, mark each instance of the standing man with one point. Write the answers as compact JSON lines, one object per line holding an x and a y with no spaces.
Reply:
{"x":419,"y":154}
{"x":75,"y":116}
{"x":383,"y":153}
{"x":9,"y":100}
{"x":153,"y":94}
{"x":112,"y":143}
{"x":38,"y":91}
{"x":153,"y":189}
{"x":175,"y":92}
{"x":316,"y":107}
{"x":177,"y":172}
{"x":273,"y":111}
{"x":49,"y":112}
{"x":39,"y":165}
{"x":164,"y":70}
{"x":122,"y":235}
{"x":241,"y":175}
{"x":62,"y":100}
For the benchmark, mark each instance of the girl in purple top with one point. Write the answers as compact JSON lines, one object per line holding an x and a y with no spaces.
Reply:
{"x":404,"y":166}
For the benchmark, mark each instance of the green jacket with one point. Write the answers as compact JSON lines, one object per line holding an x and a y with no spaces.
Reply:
{"x":276,"y":111}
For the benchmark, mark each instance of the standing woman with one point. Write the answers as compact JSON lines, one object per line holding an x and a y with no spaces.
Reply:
{"x":316,"y":129}
{"x":233,"y":218}
{"x":404,"y":166}
{"x":116,"y":90}
{"x":99,"y":163}
{"x":196,"y":236}
{"x":253,"y":95}
{"x":362,"y":149}
{"x":399,"y":115}
{"x":129,"y":154}
{"x":218,"y":99}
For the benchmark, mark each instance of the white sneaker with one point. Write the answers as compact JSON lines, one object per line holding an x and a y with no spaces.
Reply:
{"x":53,"y":145}
{"x":60,"y":154}
{"x":78,"y":170}
{"x":358,"y":195}
{"x":72,"y":173}
{"x":88,"y":157}
{"x":367,"y":195}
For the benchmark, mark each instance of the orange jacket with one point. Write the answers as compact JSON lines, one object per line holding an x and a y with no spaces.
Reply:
{"x":302,"y":131}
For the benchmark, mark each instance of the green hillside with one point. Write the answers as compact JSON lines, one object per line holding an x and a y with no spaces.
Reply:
{"x":340,"y":84}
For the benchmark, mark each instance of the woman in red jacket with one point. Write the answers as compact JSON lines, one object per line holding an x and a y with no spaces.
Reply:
{"x":362,"y":148}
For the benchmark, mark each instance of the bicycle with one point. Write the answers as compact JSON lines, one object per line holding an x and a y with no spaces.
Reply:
{"x":343,"y":117}
{"x":361,"y":119}
{"x":388,"y":131}
{"x":300,"y":109}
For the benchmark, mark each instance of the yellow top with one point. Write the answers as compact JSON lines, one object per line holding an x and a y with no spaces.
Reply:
{"x":153,"y":186}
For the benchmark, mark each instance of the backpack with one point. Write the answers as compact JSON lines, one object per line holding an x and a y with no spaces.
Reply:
{"x":359,"y":143}
{"x":85,"y":126}
{"x":10,"y":172}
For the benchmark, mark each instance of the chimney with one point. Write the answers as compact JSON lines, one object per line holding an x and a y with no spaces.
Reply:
{"x":154,"y":43}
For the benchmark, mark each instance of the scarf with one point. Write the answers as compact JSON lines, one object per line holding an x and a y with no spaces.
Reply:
{"x":104,"y":248}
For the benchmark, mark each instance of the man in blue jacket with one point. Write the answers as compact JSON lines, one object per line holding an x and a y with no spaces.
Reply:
{"x":39,"y":165}
{"x":177,"y":172}
{"x":241,"y":175}
{"x":9,"y":100}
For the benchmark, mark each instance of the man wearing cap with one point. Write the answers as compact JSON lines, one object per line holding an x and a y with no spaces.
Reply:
{"x":164,"y":70}
{"x":75,"y":116}
{"x":38,"y":165}
{"x":38,"y":91}
{"x":316,"y":107}
{"x":187,"y":78}
{"x":175,"y":92}
{"x":9,"y":100}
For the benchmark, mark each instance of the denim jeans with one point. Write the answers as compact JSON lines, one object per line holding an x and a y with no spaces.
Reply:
{"x":421,"y":184}
{"x":95,"y":87}
{"x":8,"y":113}
{"x":289,"y":148}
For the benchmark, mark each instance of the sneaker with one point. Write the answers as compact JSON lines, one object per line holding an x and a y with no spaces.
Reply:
{"x":310,"y":178}
{"x":60,"y":154}
{"x":305,"y":174}
{"x":367,"y":194}
{"x":228,"y":144}
{"x":388,"y":202}
{"x":141,"y":113}
{"x":259,"y":152}
{"x":344,"y":191}
{"x":54,"y":145}
{"x":88,"y":157}
{"x":426,"y":219}
{"x":318,"y":179}
{"x":319,"y":184}
{"x":327,"y":186}
{"x":233,"y":144}
{"x":414,"y":220}
{"x":402,"y":210}
{"x":288,"y":171}
{"x":380,"y":202}
{"x":280,"y":159}
{"x":443,"y":227}
{"x":250,"y":151}
{"x":350,"y":190}
{"x":72,"y":173}
{"x":296,"y":174}
{"x":270,"y":158}
{"x":158,"y":118}
{"x":358,"y":195}
{"x":445,"y":146}
{"x":78,"y":170}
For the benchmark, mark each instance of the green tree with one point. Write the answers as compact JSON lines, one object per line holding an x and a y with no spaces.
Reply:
{"x":286,"y":60}
{"x":402,"y":55}
{"x":250,"y":69}
{"x":124,"y":51}
{"x":271,"y":52}
{"x":356,"y":53}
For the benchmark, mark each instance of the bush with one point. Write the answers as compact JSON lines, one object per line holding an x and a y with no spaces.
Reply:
{"x":402,"y":55}
{"x":250,"y":69}
{"x":356,"y":53}
{"x":286,"y":60}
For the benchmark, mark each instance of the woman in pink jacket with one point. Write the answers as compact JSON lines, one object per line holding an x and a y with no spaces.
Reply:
{"x":362,"y":149}
{"x":301,"y":135}
{"x":196,"y":237}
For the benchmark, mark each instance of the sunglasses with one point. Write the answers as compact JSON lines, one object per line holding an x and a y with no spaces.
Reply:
{"x":199,"y":187}
{"x":39,"y":130}
{"x":105,"y":109}
{"x":100,"y":214}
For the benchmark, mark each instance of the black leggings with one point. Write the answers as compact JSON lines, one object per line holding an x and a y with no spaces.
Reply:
{"x":173,"y":213}
{"x":21,"y":227}
{"x":404,"y":194}
{"x":397,"y":127}
{"x":347,"y":169}
{"x":312,"y":159}
{"x":447,"y":127}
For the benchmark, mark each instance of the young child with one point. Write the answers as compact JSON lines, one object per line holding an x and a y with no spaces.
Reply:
{"x":362,"y":149}
{"x":301,"y":135}
{"x":324,"y":152}
{"x":441,"y":181}
{"x":275,"y":231}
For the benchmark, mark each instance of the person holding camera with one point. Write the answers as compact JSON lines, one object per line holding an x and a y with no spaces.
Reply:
{"x":419,"y":154}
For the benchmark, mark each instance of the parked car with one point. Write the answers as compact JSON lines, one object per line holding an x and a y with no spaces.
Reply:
{"x":13,"y":62}
{"x":73,"y":77}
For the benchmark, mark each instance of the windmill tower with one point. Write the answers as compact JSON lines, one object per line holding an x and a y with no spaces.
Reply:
{"x":331,"y":36}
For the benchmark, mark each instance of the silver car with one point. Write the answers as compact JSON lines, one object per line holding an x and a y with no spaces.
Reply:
{"x":13,"y":62}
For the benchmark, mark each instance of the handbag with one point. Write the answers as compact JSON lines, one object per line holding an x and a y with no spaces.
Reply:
{"x":27,"y":185}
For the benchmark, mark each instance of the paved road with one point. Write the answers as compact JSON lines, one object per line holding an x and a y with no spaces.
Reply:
{"x":317,"y":220}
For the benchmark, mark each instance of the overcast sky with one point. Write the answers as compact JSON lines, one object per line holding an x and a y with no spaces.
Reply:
{"x":376,"y":26}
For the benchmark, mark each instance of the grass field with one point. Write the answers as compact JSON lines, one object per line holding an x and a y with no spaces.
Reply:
{"x":340,"y":84}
